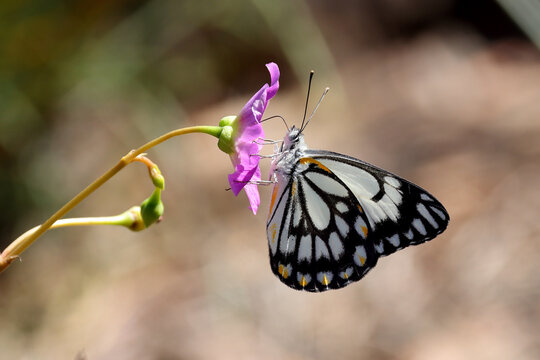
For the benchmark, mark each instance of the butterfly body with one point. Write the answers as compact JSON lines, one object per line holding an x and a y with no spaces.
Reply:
{"x":332,"y":216}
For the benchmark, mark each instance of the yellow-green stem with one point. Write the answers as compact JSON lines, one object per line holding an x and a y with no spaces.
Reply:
{"x":18,"y":246}
{"x":85,"y":221}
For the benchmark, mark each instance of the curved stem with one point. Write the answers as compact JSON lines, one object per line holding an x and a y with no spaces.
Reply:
{"x":22,"y":243}
{"x":127,"y":219}
{"x":122,"y":220}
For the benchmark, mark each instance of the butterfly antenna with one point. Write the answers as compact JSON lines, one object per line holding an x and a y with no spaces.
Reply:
{"x":311,"y":73}
{"x":276,"y":116}
{"x":316,"y":107}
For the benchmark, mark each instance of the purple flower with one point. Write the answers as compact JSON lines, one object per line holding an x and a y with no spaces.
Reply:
{"x":240,"y":138}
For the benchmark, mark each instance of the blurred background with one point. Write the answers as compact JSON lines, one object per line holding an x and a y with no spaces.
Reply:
{"x":445,"y":93}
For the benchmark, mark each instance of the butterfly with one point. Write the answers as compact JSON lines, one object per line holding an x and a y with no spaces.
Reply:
{"x":333,"y":216}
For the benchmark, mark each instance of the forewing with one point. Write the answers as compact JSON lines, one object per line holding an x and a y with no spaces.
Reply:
{"x":317,"y":231}
{"x":399,"y":212}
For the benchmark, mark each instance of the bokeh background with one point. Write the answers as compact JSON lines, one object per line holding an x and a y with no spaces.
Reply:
{"x":443,"y":92}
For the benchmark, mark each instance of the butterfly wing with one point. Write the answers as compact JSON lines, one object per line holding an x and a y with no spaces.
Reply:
{"x":399,"y":212}
{"x":317,"y":230}
{"x":334,"y":215}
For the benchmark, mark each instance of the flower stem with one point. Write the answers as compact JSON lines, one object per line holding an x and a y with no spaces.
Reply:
{"x":127,"y":219}
{"x":18,"y":246}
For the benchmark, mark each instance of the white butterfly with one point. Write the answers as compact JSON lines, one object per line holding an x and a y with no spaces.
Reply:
{"x":332,"y":216}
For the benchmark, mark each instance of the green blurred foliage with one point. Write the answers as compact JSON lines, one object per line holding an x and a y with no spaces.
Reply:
{"x":56,"y":55}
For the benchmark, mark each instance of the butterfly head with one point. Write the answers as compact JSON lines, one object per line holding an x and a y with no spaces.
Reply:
{"x":292,"y":148}
{"x":293,"y":140}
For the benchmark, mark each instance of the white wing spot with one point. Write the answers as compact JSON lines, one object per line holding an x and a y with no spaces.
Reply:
{"x":392,"y":181}
{"x":425,"y":213}
{"x":374,"y":212}
{"x":417,"y":223}
{"x":304,"y":250}
{"x":286,"y":224}
{"x":341,"y":207}
{"x":297,"y":213}
{"x":284,"y":245}
{"x":360,"y":227}
{"x":360,"y":256}
{"x":336,"y":246}
{"x":438,"y":212}
{"x":393,"y":194}
{"x":321,"y":250}
{"x":409,"y":234}
{"x":379,"y":248}
{"x":303,"y":279}
{"x":425,"y":196}
{"x":347,"y":273}
{"x":287,"y":245}
{"x":325,"y":277}
{"x":316,"y":207}
{"x":389,"y":208}
{"x":342,"y":226}
{"x":328,"y":184}
{"x":394,"y":240}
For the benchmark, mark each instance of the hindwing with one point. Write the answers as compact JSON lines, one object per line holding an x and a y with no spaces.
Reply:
{"x":317,"y":231}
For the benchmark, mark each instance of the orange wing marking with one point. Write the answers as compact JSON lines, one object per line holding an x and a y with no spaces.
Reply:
{"x":308,"y":160}
{"x":273,"y":201}
{"x":362,"y":260}
{"x":325,"y":280}
{"x":283,"y":271}
{"x":273,"y":229}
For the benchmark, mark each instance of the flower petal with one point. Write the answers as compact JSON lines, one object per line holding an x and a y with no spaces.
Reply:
{"x":240,"y":178}
{"x":253,"y":196}
{"x":246,"y":135}
{"x":245,"y":166}
{"x":274,"y":80}
{"x":251,"y":114}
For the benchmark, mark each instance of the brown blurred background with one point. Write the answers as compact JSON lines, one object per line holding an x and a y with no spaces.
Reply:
{"x":443,"y":92}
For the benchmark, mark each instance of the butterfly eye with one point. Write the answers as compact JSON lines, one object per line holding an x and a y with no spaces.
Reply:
{"x":293,"y":134}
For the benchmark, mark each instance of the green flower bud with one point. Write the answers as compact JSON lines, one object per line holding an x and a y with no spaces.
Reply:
{"x":227,"y":120}
{"x":157,"y":179}
{"x":152,"y":208}
{"x":226,"y":138}
{"x":133,"y":219}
